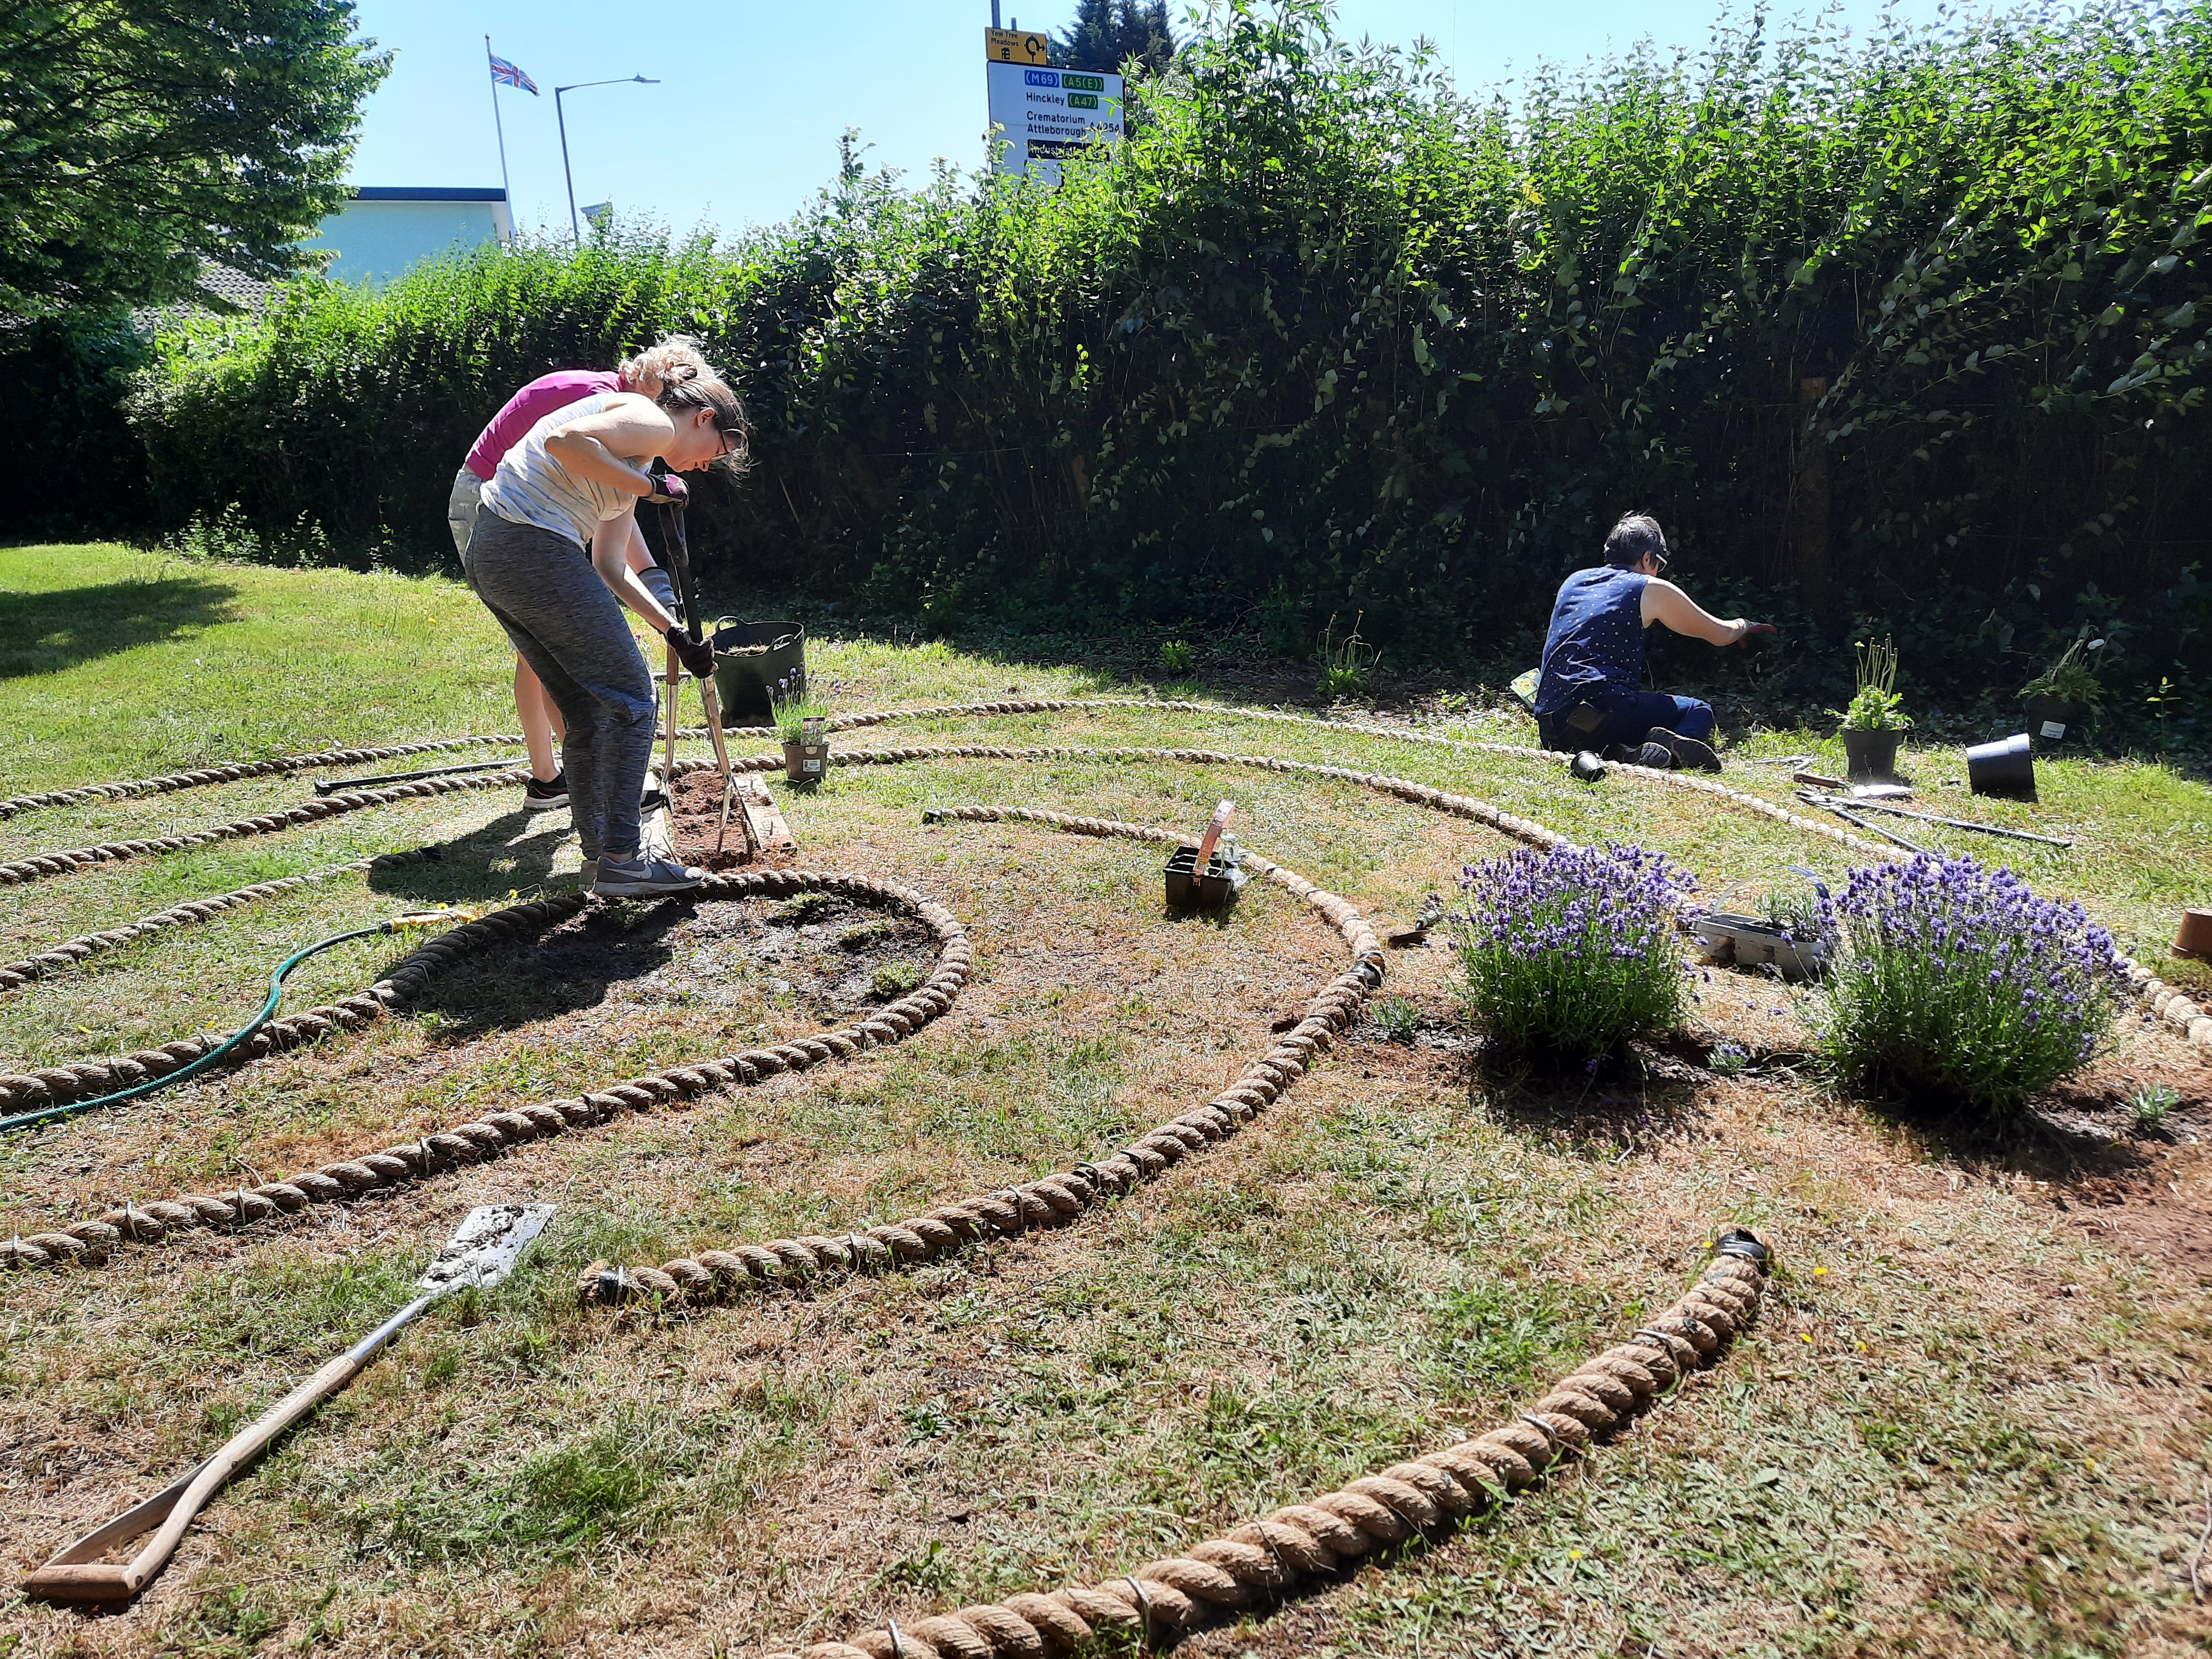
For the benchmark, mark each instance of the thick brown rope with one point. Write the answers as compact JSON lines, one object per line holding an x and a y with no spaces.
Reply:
{"x":1057,"y":1199}
{"x":1260,"y":1562}
{"x":90,"y":1242}
{"x":238,"y":770}
{"x":71,"y":951}
{"x":37,"y":865}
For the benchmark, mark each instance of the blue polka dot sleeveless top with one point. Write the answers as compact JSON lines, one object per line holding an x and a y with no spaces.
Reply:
{"x":1597,"y":638}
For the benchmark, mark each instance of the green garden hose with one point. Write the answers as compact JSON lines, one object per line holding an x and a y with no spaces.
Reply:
{"x":71,"y":1109}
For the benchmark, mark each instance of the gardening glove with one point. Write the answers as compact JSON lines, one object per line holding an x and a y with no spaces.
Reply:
{"x":657,"y":582}
{"x":668,"y":491}
{"x":1755,"y":631}
{"x":697,"y":655}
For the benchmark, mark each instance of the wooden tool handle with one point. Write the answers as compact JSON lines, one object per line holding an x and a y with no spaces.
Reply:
{"x":73,"y":1575}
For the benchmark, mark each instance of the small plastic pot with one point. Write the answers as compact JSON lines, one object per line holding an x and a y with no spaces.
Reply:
{"x":2006,"y":767}
{"x":1871,"y":754}
{"x":2194,"y":937}
{"x":1210,"y":889}
{"x":805,"y":762}
{"x":2049,"y":718}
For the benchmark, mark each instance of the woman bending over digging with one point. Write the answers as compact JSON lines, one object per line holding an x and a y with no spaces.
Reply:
{"x":575,"y":478}
{"x":1591,"y":695}
{"x":673,"y":360}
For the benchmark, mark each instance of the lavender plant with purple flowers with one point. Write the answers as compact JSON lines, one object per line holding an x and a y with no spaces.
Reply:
{"x":1570,"y":952}
{"x":1957,"y":978}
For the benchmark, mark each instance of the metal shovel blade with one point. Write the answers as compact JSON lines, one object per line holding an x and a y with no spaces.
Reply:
{"x":485,"y":1247}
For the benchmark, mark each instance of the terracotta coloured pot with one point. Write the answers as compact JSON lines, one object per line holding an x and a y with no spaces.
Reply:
{"x":2194,"y":937}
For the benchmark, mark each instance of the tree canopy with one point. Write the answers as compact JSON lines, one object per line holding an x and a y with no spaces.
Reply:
{"x":142,"y":139}
{"x":1106,"y":32}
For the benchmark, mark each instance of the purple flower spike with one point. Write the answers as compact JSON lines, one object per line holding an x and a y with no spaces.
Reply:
{"x":1959,"y":978}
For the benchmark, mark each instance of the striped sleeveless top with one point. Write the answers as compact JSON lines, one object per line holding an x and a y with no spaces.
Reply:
{"x":534,"y":488}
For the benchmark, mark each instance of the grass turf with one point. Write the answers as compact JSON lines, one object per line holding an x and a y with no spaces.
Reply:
{"x":1972,"y":1421}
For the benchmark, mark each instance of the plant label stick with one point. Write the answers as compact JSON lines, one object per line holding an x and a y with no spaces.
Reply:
{"x":1214,"y":829}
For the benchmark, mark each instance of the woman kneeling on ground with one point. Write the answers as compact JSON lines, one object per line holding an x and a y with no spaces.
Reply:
{"x":1590,"y":695}
{"x":673,"y":360}
{"x":576,"y":478}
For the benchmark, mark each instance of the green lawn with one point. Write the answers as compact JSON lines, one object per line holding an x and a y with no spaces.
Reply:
{"x":1972,"y":1421}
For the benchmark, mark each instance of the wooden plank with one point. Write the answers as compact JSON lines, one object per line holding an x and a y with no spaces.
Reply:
{"x":764,"y":825}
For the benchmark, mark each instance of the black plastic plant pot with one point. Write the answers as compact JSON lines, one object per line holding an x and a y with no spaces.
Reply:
{"x":2050,"y":718}
{"x":749,"y":657}
{"x":2006,"y":767}
{"x":1869,"y":754}
{"x":805,"y":762}
{"x":1189,"y":888}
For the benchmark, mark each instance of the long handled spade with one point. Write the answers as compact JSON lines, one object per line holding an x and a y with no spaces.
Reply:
{"x":680,"y":559}
{"x":483,"y":1252}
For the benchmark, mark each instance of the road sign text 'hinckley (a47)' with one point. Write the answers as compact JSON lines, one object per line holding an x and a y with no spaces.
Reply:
{"x":1039,"y":114}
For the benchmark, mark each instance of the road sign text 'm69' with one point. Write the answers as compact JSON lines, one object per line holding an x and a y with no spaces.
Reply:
{"x":1038,"y":113}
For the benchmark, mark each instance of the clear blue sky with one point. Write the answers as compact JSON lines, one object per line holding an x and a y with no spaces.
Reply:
{"x":743,"y":128}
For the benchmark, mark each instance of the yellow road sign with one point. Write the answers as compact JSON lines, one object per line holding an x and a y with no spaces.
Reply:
{"x":1013,"y":46}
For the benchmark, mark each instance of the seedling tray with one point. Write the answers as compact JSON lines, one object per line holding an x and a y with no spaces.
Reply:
{"x":1750,"y":942}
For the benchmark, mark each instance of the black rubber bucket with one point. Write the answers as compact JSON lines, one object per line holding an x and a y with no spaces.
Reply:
{"x":750,"y":658}
{"x":2006,"y":767}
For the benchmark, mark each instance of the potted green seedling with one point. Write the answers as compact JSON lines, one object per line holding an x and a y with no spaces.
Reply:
{"x":2061,"y":696}
{"x":801,"y":722}
{"x":1875,"y":721}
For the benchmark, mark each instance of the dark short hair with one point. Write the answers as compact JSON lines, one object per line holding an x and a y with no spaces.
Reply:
{"x":1635,"y":535}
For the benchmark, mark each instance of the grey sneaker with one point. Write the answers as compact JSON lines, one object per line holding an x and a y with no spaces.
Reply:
{"x":641,"y":877}
{"x":587,"y":873}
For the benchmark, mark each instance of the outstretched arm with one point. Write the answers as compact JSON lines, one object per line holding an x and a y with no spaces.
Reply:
{"x":610,"y":549}
{"x":1668,"y":605}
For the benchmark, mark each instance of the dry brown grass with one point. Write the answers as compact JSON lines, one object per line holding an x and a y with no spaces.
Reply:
{"x":1972,"y":1420}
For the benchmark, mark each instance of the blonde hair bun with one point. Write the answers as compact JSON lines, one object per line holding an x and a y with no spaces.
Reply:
{"x":673,"y":360}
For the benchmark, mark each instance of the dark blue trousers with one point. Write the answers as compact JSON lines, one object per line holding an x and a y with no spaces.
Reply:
{"x":1628,"y":716}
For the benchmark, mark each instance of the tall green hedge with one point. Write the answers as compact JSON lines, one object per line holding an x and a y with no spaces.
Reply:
{"x":1904,"y":329}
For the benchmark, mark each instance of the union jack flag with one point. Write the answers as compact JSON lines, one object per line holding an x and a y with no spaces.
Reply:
{"x":504,"y":74}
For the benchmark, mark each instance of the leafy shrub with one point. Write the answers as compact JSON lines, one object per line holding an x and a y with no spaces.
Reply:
{"x":1178,"y":658}
{"x":1569,"y":953}
{"x":1877,"y":705}
{"x":1326,"y":335}
{"x":1399,"y":1018}
{"x":1727,"y":1060}
{"x":1957,"y":979}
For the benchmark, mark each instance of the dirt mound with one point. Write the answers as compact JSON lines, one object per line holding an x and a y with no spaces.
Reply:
{"x":696,"y":815}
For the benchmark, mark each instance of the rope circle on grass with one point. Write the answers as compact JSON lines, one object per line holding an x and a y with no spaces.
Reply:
{"x":1254,"y":1564}
{"x":90,"y":1242}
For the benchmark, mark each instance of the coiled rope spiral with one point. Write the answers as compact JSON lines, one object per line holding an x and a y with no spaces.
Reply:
{"x":1256,"y":1563}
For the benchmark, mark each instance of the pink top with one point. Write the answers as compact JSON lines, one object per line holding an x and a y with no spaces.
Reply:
{"x":530,"y":405}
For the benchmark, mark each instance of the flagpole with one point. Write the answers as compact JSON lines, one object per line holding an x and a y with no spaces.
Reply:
{"x":497,"y":127}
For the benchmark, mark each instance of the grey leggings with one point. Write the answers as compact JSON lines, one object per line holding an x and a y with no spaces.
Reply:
{"x":568,"y":626}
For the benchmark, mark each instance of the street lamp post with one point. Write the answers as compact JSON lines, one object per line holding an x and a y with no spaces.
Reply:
{"x":575,"y":234}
